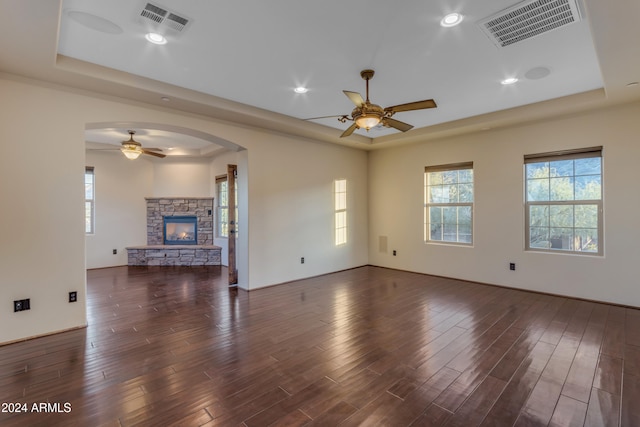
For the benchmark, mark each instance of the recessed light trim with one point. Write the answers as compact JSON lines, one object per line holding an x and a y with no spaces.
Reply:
{"x":509,"y":81}
{"x":155,"y":38}
{"x":301,"y":89}
{"x":451,"y":20}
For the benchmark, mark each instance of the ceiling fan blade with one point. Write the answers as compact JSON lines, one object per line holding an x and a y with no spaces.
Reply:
{"x":325,"y":117}
{"x":355,"y":97}
{"x":153,"y":153}
{"x":418,"y":105}
{"x":397,"y":124}
{"x":349,"y":130}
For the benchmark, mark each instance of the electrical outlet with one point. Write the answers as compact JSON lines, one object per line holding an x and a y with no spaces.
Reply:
{"x":115,"y":251}
{"x":394,"y":252}
{"x":73,"y":296}
{"x":302,"y":260}
{"x":21,"y":305}
{"x":512,"y":266}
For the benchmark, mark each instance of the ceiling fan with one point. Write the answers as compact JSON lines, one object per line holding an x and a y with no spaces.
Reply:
{"x":367,"y":115}
{"x":132,"y":149}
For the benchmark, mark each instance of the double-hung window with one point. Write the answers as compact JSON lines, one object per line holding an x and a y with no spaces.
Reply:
{"x":89,"y":200}
{"x":448,"y":194}
{"x":563,"y":197}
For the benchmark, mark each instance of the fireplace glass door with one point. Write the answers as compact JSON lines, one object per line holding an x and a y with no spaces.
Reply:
{"x":180,"y":230}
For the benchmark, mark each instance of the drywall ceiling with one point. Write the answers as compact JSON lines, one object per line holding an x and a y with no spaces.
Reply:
{"x":240,"y":61}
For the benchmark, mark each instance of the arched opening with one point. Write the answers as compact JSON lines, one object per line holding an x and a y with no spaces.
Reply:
{"x":191,"y":161}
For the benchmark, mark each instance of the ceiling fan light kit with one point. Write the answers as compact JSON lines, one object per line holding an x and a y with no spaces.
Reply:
{"x":368,"y":116}
{"x":131,"y":153}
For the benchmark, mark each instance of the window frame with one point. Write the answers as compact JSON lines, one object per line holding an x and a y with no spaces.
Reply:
{"x":90,"y":219}
{"x":340,"y":216}
{"x":427,"y":204}
{"x":221,"y":225}
{"x":591,"y":152}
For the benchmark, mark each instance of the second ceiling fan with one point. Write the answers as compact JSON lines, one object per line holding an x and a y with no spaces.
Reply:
{"x":367,"y":115}
{"x":132,"y":149}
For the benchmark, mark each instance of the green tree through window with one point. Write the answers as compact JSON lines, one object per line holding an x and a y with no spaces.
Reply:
{"x":564,"y":202}
{"x":449,"y":203}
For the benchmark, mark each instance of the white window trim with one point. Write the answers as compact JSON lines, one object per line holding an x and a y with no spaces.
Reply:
{"x":565,"y":155}
{"x":427,"y":205}
{"x":92,"y":201}
{"x":338,"y":211}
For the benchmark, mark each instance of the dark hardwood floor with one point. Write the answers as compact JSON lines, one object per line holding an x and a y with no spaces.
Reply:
{"x":369,"y":346}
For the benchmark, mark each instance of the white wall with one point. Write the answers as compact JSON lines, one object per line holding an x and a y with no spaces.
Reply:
{"x":396,"y":208}
{"x":291,"y":209}
{"x":287,"y":190}
{"x":120,"y":206}
{"x":182,"y":178}
{"x":41,"y":219}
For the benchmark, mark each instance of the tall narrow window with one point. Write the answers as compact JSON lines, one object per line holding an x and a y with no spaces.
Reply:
{"x":340,"y":202}
{"x":222,"y":206}
{"x":89,"y":200}
{"x":448,"y":202}
{"x":564,"y":201}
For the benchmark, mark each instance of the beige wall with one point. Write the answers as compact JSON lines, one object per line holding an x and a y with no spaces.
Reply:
{"x":182,"y":177}
{"x":396,"y":208}
{"x":41,"y":185}
{"x":286,"y":189}
{"x":120,"y":221}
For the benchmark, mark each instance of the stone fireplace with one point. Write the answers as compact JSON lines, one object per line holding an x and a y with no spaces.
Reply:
{"x":179,"y":232}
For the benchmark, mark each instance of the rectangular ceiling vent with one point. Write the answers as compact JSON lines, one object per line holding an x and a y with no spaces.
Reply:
{"x":523,"y":21}
{"x":158,"y":18}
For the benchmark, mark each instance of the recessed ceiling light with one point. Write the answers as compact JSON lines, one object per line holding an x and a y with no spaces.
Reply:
{"x":301,"y":89}
{"x":451,"y":20}
{"x":165,"y":99}
{"x":155,"y":38}
{"x":509,"y":81}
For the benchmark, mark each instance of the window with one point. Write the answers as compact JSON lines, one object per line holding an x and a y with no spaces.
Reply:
{"x":223,"y":206}
{"x":448,"y":201}
{"x":222,"y":224}
{"x":89,"y":200}
{"x":340,"y":214}
{"x":564,"y":201}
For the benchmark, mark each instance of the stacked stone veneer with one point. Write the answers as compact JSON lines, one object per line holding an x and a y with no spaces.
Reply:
{"x":158,"y":208}
{"x":187,"y":255}
{"x":156,"y":253}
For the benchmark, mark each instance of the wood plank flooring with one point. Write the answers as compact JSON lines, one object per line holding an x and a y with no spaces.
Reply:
{"x":369,"y":346}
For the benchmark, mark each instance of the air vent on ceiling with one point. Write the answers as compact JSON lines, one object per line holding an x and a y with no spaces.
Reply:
{"x":158,"y":17}
{"x":523,"y":21}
